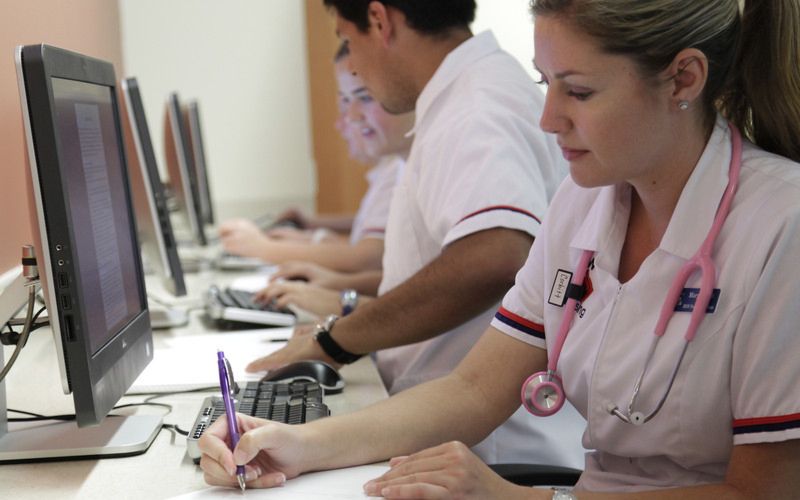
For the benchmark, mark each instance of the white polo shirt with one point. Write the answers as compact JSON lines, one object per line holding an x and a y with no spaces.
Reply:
{"x":478,"y":161}
{"x":737,"y":383}
{"x":373,"y":211}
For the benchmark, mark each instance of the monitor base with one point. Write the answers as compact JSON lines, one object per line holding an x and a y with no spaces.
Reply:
{"x":53,"y":440}
{"x":162,"y":317}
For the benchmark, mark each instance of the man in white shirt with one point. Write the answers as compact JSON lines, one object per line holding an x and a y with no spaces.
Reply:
{"x":476,"y":185}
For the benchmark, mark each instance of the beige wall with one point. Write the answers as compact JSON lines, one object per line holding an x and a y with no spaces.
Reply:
{"x":87,"y":26}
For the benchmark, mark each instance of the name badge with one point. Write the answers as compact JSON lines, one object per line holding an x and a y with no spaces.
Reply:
{"x":558,"y":293}
{"x":689,"y":297}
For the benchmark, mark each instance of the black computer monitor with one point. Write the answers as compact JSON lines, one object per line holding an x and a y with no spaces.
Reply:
{"x":180,"y":167}
{"x":191,"y":117}
{"x":149,"y":198}
{"x":88,"y":254}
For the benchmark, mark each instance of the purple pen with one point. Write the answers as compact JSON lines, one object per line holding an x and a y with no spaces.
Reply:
{"x":225,"y":385}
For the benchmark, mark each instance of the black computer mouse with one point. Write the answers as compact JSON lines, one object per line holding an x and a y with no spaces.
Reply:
{"x":327,"y":376}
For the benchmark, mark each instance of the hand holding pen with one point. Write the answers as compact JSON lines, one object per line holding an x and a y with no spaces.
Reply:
{"x":226,"y":387}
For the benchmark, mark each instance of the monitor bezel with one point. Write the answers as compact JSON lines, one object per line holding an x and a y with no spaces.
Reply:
{"x":199,"y":157}
{"x":160,"y":247}
{"x":98,"y":379}
{"x":181,"y":171}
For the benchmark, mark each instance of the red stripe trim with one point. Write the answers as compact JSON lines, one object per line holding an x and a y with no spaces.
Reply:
{"x":766,"y":420}
{"x":374,"y":230}
{"x":500,"y":207}
{"x":519,"y":319}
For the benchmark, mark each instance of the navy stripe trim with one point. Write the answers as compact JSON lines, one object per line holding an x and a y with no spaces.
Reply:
{"x":519,"y":326}
{"x":771,"y":427}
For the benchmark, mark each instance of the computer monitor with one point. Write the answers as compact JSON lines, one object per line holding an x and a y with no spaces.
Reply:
{"x":88,"y":255}
{"x":181,"y":170}
{"x":150,"y":205}
{"x":191,"y":117}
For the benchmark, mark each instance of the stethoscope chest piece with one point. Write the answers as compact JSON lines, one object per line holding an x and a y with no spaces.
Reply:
{"x":542,"y":394}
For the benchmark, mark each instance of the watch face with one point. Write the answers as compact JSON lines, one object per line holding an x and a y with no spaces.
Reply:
{"x":563,"y":494}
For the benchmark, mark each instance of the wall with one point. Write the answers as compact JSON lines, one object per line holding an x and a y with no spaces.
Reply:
{"x":512,"y":24}
{"x":87,"y":26}
{"x":341,"y":179}
{"x":245,"y":61}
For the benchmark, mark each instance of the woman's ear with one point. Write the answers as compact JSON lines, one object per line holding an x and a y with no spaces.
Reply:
{"x":689,"y":73}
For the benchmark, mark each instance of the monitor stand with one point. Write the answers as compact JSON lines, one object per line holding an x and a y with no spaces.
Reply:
{"x":162,"y":317}
{"x":51,"y":440}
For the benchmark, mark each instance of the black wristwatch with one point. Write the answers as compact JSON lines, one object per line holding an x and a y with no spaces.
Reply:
{"x":330,"y":346}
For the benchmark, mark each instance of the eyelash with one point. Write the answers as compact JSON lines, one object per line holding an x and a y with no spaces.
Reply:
{"x":581,"y":96}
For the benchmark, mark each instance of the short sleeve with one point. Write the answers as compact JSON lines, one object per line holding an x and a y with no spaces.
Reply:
{"x":765,"y":371}
{"x":488,"y":176}
{"x":521,"y":314}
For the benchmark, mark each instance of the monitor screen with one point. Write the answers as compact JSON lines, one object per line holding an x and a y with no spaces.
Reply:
{"x":91,"y":166}
{"x":149,"y":199}
{"x":182,"y":175}
{"x":83,"y":226}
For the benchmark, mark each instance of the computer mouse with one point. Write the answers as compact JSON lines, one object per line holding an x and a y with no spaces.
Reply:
{"x":327,"y":376}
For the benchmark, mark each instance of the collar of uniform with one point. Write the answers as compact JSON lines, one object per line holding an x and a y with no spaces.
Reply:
{"x":695,"y":212}
{"x":459,"y":59}
{"x":606,"y":220}
{"x":603,"y":222}
{"x":385,"y":163}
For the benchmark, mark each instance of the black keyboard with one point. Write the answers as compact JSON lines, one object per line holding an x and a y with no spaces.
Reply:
{"x":290,"y":402}
{"x":244,"y":300}
{"x":238,"y":306}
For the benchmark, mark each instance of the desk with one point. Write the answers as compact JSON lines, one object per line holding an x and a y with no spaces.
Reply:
{"x":164,"y":470}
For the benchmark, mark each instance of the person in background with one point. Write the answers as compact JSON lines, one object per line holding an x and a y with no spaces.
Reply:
{"x":701,"y":153}
{"x":479,"y":177}
{"x":374,"y":137}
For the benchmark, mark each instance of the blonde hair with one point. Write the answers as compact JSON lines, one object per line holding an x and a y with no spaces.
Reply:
{"x":753,"y":55}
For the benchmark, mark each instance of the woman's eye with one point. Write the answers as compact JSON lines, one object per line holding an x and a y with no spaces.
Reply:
{"x":580,"y":95}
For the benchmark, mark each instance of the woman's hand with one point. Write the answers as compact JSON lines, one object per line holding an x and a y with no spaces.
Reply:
{"x":314,"y":299}
{"x":446,"y":471}
{"x":271,"y":452}
{"x":243,"y":237}
{"x":314,"y":274}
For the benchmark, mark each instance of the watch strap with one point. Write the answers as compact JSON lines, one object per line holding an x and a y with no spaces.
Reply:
{"x":330,"y":346}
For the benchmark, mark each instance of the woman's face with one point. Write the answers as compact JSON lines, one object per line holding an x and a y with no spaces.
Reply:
{"x":364,"y":120}
{"x":611,"y":124}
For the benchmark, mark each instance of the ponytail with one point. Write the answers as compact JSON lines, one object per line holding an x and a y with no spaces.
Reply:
{"x":763,"y":94}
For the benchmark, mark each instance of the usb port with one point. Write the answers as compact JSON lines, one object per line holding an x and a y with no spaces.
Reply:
{"x":66,"y":302}
{"x":63,"y":280}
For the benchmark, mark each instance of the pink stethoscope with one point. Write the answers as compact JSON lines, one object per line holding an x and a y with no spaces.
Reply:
{"x":543,"y":392}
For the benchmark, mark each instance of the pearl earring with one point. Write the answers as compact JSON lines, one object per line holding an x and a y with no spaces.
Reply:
{"x":683,"y":105}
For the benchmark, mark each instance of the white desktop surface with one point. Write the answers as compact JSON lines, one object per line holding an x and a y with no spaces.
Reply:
{"x":163,"y":471}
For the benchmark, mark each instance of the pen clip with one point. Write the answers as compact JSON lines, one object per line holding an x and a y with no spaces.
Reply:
{"x":229,"y":375}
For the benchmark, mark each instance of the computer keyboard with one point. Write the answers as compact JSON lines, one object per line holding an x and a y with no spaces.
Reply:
{"x":239,"y":305}
{"x":290,"y":402}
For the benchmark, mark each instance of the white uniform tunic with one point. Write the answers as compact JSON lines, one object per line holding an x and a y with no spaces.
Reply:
{"x":373,"y":211}
{"x":478,"y":161}
{"x":738,"y":381}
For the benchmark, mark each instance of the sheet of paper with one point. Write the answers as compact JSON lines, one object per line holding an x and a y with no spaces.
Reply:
{"x":340,"y":484}
{"x":190,"y":361}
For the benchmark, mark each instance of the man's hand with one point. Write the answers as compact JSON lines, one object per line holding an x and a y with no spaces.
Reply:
{"x":298,"y":348}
